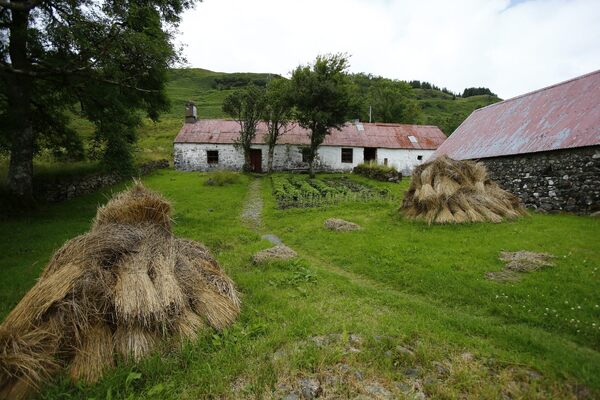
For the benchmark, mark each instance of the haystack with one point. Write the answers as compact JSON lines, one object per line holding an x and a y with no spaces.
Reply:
{"x":117,"y":291}
{"x":446,"y":191}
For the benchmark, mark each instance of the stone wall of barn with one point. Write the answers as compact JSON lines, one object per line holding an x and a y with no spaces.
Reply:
{"x":560,"y":180}
{"x":193,"y":157}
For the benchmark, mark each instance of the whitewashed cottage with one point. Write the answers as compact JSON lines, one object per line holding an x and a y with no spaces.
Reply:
{"x":208,"y":144}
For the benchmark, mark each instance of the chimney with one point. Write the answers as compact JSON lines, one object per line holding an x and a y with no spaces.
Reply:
{"x":190,"y":112}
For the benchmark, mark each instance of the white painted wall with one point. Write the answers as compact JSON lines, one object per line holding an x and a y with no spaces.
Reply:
{"x":192,"y":157}
{"x":404,"y":160}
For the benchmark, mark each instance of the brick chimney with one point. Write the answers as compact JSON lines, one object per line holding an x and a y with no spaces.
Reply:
{"x":190,"y":112}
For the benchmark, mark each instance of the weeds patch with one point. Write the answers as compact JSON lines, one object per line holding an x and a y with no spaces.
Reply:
{"x":519,"y":262}
{"x":222,"y":178}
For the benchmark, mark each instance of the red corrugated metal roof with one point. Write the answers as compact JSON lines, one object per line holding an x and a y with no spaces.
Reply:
{"x":392,"y":136}
{"x":561,"y":116}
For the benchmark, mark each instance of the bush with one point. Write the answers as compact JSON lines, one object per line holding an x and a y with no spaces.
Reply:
{"x":378,"y":172}
{"x":222,"y":178}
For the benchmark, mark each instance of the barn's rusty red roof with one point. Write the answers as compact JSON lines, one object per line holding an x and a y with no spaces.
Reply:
{"x":392,"y":136}
{"x":561,"y":116}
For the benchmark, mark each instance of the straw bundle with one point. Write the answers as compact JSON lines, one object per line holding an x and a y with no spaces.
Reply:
{"x":118,"y":290}
{"x":446,"y":191}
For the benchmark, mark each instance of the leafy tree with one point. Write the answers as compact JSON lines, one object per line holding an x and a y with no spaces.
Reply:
{"x":393,"y":101}
{"x":324,"y":97}
{"x":390,"y":100}
{"x":104,"y":59}
{"x":277,"y":113}
{"x":246,"y":106}
{"x":449,"y":122}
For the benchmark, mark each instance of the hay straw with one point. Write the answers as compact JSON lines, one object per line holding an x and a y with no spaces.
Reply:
{"x":137,"y":205}
{"x":135,"y":297}
{"x":47,"y":291}
{"x":16,"y":389}
{"x":218,"y":310}
{"x":26,"y":359}
{"x":188,"y":325}
{"x":94,"y":356}
{"x":119,"y":289}
{"x":134,"y":343}
{"x":447,"y":191}
{"x":169,"y":293}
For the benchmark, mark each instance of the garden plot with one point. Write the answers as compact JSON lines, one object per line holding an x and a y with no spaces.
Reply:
{"x":300,"y":191}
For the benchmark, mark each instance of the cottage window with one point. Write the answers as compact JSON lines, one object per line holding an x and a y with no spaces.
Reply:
{"x":212,"y":156}
{"x":347,"y":155}
{"x":419,"y":157}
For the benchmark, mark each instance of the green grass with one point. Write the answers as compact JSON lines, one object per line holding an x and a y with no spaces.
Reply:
{"x":418,"y":286}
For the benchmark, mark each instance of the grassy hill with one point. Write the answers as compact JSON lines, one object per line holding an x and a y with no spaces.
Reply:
{"x":202,"y":86}
{"x":207,"y":89}
{"x":447,"y":111}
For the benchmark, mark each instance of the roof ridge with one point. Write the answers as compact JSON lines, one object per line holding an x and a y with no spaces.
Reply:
{"x":347,"y":123}
{"x":539,"y":90}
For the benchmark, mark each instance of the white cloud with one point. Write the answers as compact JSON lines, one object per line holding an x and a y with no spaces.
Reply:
{"x":511,"y":47}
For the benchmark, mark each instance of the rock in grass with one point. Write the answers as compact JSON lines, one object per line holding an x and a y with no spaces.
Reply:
{"x":310,"y":387}
{"x":340,"y":225}
{"x":281,"y":252}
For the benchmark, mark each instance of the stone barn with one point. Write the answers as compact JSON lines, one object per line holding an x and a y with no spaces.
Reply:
{"x":544,"y":146}
{"x":208,"y":144}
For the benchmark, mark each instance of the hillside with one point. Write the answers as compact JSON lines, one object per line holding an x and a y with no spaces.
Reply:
{"x":207,"y":89}
{"x":202,"y":86}
{"x":447,"y":111}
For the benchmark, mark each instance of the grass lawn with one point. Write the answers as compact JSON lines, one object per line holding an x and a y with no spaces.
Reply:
{"x":428,"y":321}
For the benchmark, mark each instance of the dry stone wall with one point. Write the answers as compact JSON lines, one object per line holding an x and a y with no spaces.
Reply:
{"x":77,"y":186}
{"x":560,"y":180}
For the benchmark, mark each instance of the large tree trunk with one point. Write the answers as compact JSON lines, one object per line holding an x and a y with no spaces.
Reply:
{"x":247,"y":163}
{"x":311,"y":169}
{"x":20,"y":170}
{"x":270,"y":158}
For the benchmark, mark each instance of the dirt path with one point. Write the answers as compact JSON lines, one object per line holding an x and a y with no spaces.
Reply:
{"x":251,"y":214}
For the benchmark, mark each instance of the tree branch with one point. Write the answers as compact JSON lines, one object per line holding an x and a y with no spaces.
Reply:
{"x":20,"y":6}
{"x":75,"y":72}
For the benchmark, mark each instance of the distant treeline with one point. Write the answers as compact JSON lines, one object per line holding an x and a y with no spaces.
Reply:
{"x":427,"y":85}
{"x":468,"y":92}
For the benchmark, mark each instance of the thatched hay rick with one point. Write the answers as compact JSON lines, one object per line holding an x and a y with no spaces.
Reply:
{"x":118,"y":290}
{"x":446,"y":191}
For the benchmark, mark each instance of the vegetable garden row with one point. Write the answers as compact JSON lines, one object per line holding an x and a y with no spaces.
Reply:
{"x":300,"y":191}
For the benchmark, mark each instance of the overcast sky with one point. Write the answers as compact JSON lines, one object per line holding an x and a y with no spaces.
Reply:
{"x":510,"y":46}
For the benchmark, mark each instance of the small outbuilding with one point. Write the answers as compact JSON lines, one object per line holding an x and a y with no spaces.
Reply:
{"x":543,"y":146}
{"x":208,"y":144}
